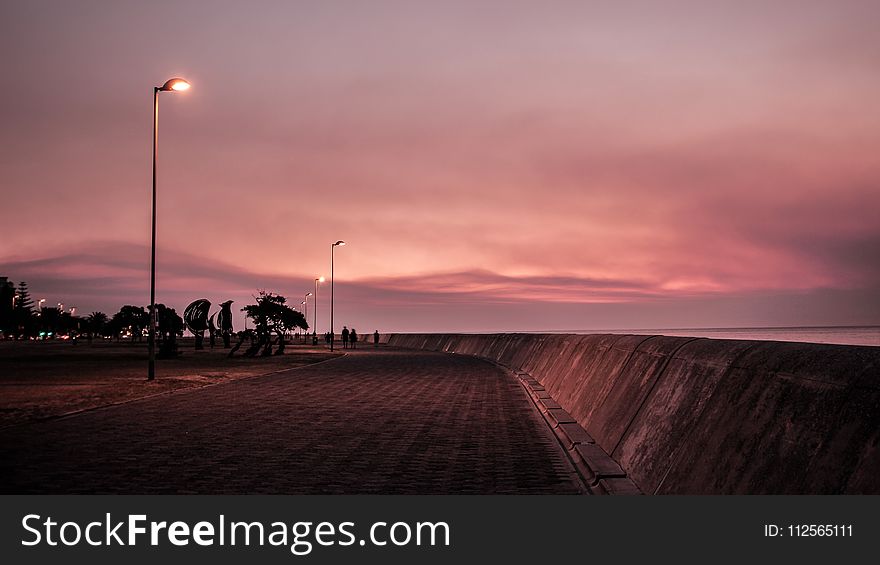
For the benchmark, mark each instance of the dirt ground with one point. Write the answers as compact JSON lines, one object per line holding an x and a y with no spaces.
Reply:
{"x":53,"y":378}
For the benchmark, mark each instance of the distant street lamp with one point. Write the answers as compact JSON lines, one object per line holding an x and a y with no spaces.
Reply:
{"x":306,"y":310}
{"x":332,"y":335}
{"x":315,"y":313}
{"x":40,"y":307}
{"x":171,"y":85}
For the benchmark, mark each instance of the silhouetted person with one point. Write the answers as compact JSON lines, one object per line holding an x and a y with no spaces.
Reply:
{"x":353,"y":338}
{"x":344,"y":337}
{"x":376,"y":338}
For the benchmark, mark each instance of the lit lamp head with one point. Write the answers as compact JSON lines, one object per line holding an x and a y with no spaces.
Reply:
{"x":340,"y":242}
{"x":320,"y":279}
{"x":175,"y":85}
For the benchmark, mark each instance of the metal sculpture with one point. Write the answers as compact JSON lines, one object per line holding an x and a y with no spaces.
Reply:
{"x":196,"y":319}
{"x":212,"y":330}
{"x":224,"y":322}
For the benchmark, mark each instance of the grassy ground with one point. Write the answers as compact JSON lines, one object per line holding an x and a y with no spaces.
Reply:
{"x":45,"y":379}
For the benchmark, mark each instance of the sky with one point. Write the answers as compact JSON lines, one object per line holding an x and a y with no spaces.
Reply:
{"x":492,"y":166}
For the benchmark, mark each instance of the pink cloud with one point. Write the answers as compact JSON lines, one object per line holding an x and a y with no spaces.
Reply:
{"x":583,"y":155}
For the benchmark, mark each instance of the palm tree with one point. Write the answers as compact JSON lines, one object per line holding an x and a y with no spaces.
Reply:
{"x":95,"y":323}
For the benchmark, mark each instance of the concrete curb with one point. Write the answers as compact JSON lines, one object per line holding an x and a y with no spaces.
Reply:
{"x":599,"y":473}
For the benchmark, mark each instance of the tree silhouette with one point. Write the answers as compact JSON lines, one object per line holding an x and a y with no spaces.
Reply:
{"x":272,"y":315}
{"x":95,"y":324}
{"x":23,"y":313}
{"x":131,"y":318}
{"x":55,"y":322}
{"x":170,"y":327}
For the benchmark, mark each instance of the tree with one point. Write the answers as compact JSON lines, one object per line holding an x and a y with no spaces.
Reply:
{"x":113,"y":328}
{"x":170,"y":326}
{"x":95,"y":323}
{"x":131,"y":318}
{"x":23,"y":313}
{"x":271,"y":314}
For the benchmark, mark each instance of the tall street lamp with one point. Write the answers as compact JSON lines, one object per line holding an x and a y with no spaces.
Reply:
{"x":306,"y":311}
{"x":332,"y":335}
{"x":171,"y":85}
{"x":315,"y":313}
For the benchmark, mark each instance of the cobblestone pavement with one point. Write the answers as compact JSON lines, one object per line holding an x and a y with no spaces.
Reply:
{"x":375,"y":421}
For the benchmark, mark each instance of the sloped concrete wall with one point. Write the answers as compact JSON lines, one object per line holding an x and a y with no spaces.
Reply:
{"x":699,"y":416}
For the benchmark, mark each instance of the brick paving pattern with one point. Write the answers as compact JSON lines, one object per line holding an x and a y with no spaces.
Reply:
{"x":378,"y":422}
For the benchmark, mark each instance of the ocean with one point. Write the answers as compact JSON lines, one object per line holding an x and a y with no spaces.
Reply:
{"x":844,"y":335}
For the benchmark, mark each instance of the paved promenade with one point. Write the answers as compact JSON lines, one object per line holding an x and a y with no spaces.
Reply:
{"x":375,"y":421}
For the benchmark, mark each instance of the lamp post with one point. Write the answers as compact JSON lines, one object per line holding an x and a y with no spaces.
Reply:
{"x":171,"y":85}
{"x":40,"y":307}
{"x":315,"y":313}
{"x":306,"y":312}
{"x":332,"y":335}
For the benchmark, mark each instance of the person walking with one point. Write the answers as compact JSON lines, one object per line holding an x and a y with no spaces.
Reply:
{"x":376,"y":338}
{"x":344,"y":337}
{"x":353,"y":338}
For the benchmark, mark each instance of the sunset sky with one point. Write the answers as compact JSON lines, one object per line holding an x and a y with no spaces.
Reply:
{"x":492,"y":166}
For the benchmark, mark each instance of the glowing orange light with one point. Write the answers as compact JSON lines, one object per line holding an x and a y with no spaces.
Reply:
{"x":176,"y":84}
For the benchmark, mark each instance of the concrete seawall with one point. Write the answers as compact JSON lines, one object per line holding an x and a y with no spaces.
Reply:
{"x":705,"y":416}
